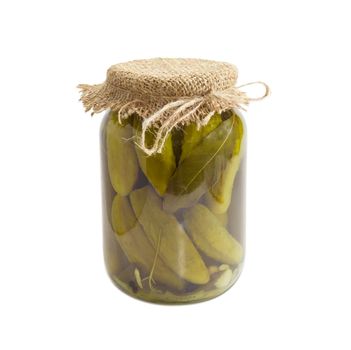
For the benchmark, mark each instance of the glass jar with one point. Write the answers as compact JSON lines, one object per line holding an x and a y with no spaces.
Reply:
{"x":174,"y":222}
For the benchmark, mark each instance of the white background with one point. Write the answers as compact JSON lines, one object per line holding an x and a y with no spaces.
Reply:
{"x":295,"y":290}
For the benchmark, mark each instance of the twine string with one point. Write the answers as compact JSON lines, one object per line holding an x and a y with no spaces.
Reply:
{"x":259,"y":98}
{"x":185,"y":109}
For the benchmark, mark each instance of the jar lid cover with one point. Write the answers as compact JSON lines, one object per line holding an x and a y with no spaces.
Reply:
{"x":172,"y":77}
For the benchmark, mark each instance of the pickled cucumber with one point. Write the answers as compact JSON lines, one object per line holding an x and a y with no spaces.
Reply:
{"x":211,"y":237}
{"x":221,"y":180}
{"x":219,"y":196}
{"x":161,"y":228}
{"x":222,"y":218}
{"x":159,"y":167}
{"x":137,"y":247}
{"x":115,"y":259}
{"x":121,"y":158}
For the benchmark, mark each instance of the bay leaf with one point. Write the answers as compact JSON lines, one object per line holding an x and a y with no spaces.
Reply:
{"x":190,"y":172}
{"x":163,"y":230}
{"x":192,"y":136}
{"x":177,"y":141}
{"x":172,"y":202}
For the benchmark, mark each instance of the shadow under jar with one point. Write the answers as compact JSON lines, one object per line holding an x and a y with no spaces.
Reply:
{"x":174,"y":222}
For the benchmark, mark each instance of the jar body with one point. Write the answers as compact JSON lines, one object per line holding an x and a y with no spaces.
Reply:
{"x":174,"y":222}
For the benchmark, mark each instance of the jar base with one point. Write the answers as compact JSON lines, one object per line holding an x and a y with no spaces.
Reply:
{"x":170,"y":298}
